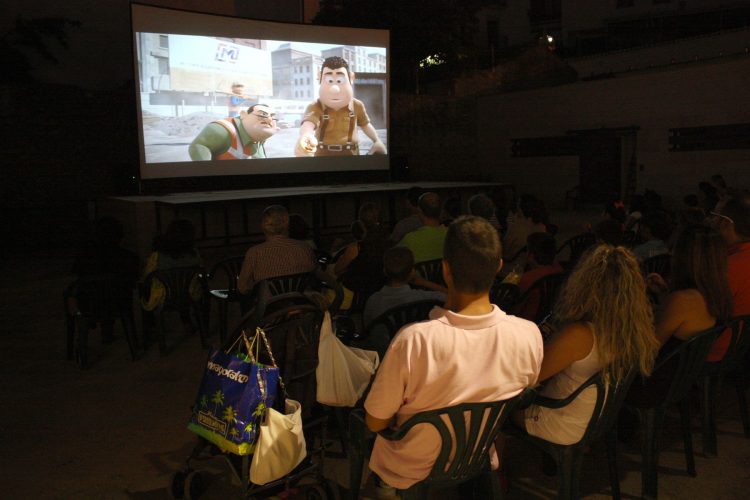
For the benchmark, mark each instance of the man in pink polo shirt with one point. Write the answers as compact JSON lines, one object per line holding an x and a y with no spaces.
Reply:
{"x":471,"y":351}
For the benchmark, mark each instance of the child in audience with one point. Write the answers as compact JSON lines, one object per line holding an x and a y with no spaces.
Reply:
{"x":606,"y":325}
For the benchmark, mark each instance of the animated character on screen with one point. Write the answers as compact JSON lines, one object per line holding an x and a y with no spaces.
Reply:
{"x":329,"y":125}
{"x":237,"y":99}
{"x":237,"y":138}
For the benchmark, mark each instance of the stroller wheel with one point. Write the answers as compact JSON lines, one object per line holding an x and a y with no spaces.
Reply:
{"x":332,"y":489}
{"x":316,"y":492}
{"x":177,"y":485}
{"x":195,"y":485}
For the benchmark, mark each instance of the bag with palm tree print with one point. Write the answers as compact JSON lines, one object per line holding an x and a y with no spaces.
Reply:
{"x":234,"y":392}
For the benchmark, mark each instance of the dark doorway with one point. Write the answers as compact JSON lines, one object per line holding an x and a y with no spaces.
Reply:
{"x":600,"y":167}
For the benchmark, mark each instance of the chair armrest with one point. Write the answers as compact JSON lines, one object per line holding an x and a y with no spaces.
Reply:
{"x":559,"y":403}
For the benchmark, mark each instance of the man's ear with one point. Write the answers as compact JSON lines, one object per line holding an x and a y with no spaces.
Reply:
{"x":447,"y":276}
{"x":243,"y":113}
{"x":351,"y":77}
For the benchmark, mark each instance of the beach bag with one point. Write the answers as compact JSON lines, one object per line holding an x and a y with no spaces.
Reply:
{"x":343,"y":372}
{"x":281,"y":444}
{"x":234,"y":392}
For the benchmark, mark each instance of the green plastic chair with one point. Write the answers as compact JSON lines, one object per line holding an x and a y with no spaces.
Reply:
{"x":471,"y":444}
{"x":714,"y":373}
{"x":177,"y":283}
{"x":685,"y":364}
{"x":609,"y":398}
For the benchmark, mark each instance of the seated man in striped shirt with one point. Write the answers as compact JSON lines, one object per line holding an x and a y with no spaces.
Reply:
{"x":279,"y":255}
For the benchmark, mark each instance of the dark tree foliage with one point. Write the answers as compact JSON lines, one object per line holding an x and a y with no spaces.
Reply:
{"x":419,"y":29}
{"x":31,"y":36}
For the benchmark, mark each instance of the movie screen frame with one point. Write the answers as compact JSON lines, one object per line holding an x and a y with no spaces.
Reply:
{"x":198,"y":77}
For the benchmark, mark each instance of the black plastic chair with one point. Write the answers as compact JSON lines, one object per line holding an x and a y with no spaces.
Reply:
{"x":610,"y":396}
{"x":100,"y":299}
{"x":504,"y":295}
{"x":227,"y":273}
{"x":545,"y":290}
{"x":177,"y":284}
{"x":683,"y":365}
{"x":382,"y":329}
{"x":659,"y":264}
{"x":714,"y":373}
{"x":576,"y":247}
{"x":431,"y":270}
{"x":475,"y":427}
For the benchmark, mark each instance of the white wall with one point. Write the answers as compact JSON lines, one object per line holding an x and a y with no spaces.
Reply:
{"x":696,"y":95}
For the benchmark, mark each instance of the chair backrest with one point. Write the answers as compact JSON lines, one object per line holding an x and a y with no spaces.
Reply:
{"x":739,"y":344}
{"x":504,"y":295}
{"x":577,"y":245}
{"x":467,"y":432}
{"x":101,"y":296}
{"x":294,"y":333}
{"x":227,"y":272}
{"x":396,"y":317}
{"x":431,"y":270}
{"x":659,"y":264}
{"x":685,"y":363}
{"x":177,"y":282}
{"x":287,"y":284}
{"x":610,"y":396}
{"x":546,"y":290}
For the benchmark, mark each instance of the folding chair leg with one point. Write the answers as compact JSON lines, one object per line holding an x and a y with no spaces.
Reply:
{"x":742,"y":400}
{"x":569,"y":467}
{"x":81,"y":346}
{"x":70,"y":330}
{"x":162,"y":334}
{"x":128,"y":326}
{"x":652,"y":424}
{"x":614,"y":478}
{"x":223,"y":320}
{"x":687,"y":436}
{"x":709,"y":385}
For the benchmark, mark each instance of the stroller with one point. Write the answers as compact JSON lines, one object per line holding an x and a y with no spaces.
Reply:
{"x":292,"y":325}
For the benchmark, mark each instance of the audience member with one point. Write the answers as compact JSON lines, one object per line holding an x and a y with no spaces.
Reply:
{"x":709,"y":194}
{"x":299,"y":230}
{"x":697,"y":298}
{"x":175,"y":248}
{"x":615,"y":210}
{"x":279,"y":255}
{"x":732,"y":219}
{"x":482,"y":206}
{"x":411,"y":222}
{"x":656,"y":228}
{"x":540,"y":262}
{"x":609,"y":231}
{"x":451,"y":210}
{"x":606,"y":324}
{"x":635,"y":213}
{"x":426,"y":243}
{"x":470,"y":351}
{"x":360,"y":267}
{"x":529,"y":220}
{"x":398,"y":265}
{"x":104,"y":255}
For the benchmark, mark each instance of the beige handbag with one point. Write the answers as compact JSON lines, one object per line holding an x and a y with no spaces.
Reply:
{"x":281,"y":443}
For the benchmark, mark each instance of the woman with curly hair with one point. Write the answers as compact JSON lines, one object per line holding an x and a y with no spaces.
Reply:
{"x":605,"y":324}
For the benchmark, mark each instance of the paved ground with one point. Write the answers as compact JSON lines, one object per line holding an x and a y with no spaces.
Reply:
{"x":118,"y":429}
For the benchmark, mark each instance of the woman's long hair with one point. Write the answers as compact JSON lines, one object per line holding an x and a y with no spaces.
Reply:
{"x":699,"y":261}
{"x":607,"y":291}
